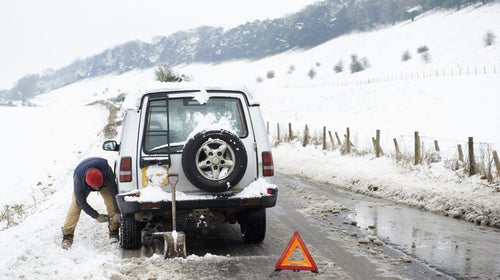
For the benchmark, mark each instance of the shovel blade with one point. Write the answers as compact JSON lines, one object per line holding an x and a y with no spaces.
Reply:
{"x":175,"y":244}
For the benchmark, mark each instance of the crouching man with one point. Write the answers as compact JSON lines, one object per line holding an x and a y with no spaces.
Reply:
{"x":92,"y":175}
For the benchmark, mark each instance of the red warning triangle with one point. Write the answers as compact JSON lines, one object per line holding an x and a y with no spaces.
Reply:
{"x":307,"y":263}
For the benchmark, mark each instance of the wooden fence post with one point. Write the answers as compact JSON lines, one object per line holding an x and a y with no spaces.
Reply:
{"x":396,"y":147}
{"x":290,"y":132}
{"x":472,"y":163}
{"x":378,"y":149}
{"x":497,"y":162}
{"x":417,"y":148}
{"x":267,"y":127}
{"x":436,"y":146}
{"x":324,"y":138}
{"x":460,"y":153}
{"x":307,"y":137}
{"x":348,"y":141}
{"x":331,"y":139}
{"x":338,"y":139}
{"x":278,"y":130}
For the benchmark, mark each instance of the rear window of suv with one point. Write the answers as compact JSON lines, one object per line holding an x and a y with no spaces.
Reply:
{"x":186,"y":115}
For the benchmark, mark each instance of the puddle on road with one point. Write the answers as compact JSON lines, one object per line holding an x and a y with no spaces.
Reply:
{"x":456,"y":247}
{"x":459,"y":248}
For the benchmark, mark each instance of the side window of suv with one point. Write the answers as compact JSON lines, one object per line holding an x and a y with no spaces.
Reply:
{"x":187,"y":115}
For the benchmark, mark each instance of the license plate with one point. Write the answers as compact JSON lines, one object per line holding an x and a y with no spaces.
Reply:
{"x":155,"y":175}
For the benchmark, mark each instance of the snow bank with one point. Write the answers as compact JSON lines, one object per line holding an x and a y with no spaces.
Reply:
{"x":431,"y":187}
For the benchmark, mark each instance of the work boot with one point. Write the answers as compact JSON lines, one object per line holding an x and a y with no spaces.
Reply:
{"x":67,"y":241}
{"x":113,"y":236}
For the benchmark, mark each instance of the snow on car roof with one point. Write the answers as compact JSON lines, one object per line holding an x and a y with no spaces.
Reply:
{"x":185,"y":87}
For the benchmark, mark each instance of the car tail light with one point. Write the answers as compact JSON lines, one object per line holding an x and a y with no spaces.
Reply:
{"x":126,"y":169}
{"x":272,"y":191}
{"x":267,"y":164}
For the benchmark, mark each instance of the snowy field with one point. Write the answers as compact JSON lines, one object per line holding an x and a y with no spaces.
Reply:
{"x":41,"y":145}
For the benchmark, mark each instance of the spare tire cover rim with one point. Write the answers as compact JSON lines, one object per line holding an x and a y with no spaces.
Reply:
{"x":215,"y":159}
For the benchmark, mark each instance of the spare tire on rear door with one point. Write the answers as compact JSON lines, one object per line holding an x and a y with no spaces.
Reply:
{"x":214,"y":160}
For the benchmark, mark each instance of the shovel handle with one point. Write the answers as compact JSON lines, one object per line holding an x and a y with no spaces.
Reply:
{"x":173,"y":178}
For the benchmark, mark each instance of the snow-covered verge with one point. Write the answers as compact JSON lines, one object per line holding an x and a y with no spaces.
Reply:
{"x":45,"y":143}
{"x":40,"y":146}
{"x":432,"y":187}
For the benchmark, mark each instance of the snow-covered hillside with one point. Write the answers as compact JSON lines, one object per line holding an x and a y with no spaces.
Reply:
{"x":43,"y":144}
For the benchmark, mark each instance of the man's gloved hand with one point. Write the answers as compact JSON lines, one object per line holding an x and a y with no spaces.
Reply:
{"x":117,"y":218}
{"x":102,"y":218}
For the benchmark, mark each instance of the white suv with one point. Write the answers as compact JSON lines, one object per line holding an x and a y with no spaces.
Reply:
{"x":215,"y":140}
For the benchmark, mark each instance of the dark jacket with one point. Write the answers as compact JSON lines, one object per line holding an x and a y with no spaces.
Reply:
{"x":82,"y":189}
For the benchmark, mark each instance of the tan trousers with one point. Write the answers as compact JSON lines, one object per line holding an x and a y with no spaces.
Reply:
{"x":74,"y":211}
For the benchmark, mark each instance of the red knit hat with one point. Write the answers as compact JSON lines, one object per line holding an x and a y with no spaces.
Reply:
{"x":94,"y":178}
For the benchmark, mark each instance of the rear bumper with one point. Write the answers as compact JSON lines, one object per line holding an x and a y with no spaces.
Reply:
{"x":129,"y":207}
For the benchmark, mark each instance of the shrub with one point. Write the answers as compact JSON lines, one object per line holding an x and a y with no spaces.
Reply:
{"x":489,"y":38}
{"x":165,"y":74}
{"x":357,"y":65}
{"x":406,"y":56}
{"x":311,"y":73}
{"x":426,"y":57}
{"x":365,"y":62}
{"x":118,"y":99}
{"x":259,"y":80}
{"x":424,"y":54}
{"x":10,"y":215}
{"x":422,"y":49}
{"x":339,"y":67}
{"x":291,"y":68}
{"x":270,"y":74}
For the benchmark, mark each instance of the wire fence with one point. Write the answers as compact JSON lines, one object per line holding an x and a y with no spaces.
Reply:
{"x":454,"y":153}
{"x":352,"y":80}
{"x":472,"y":157}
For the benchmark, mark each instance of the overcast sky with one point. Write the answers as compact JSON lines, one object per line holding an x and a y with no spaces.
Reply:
{"x":42,"y":34}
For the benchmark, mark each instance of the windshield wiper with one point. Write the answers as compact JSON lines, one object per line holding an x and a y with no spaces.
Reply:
{"x":166,"y":146}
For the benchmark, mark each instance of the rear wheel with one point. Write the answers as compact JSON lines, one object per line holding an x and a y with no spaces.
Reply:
{"x":130,"y":232}
{"x":253,"y":225}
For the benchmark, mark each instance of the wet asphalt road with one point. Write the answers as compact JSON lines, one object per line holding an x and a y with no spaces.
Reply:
{"x":332,"y":221}
{"x":455,"y":247}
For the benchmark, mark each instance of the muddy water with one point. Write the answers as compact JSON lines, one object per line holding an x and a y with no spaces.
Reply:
{"x":456,"y":247}
{"x":459,"y":248}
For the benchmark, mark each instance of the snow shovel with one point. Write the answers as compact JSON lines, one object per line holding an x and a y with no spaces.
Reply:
{"x":175,"y":242}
